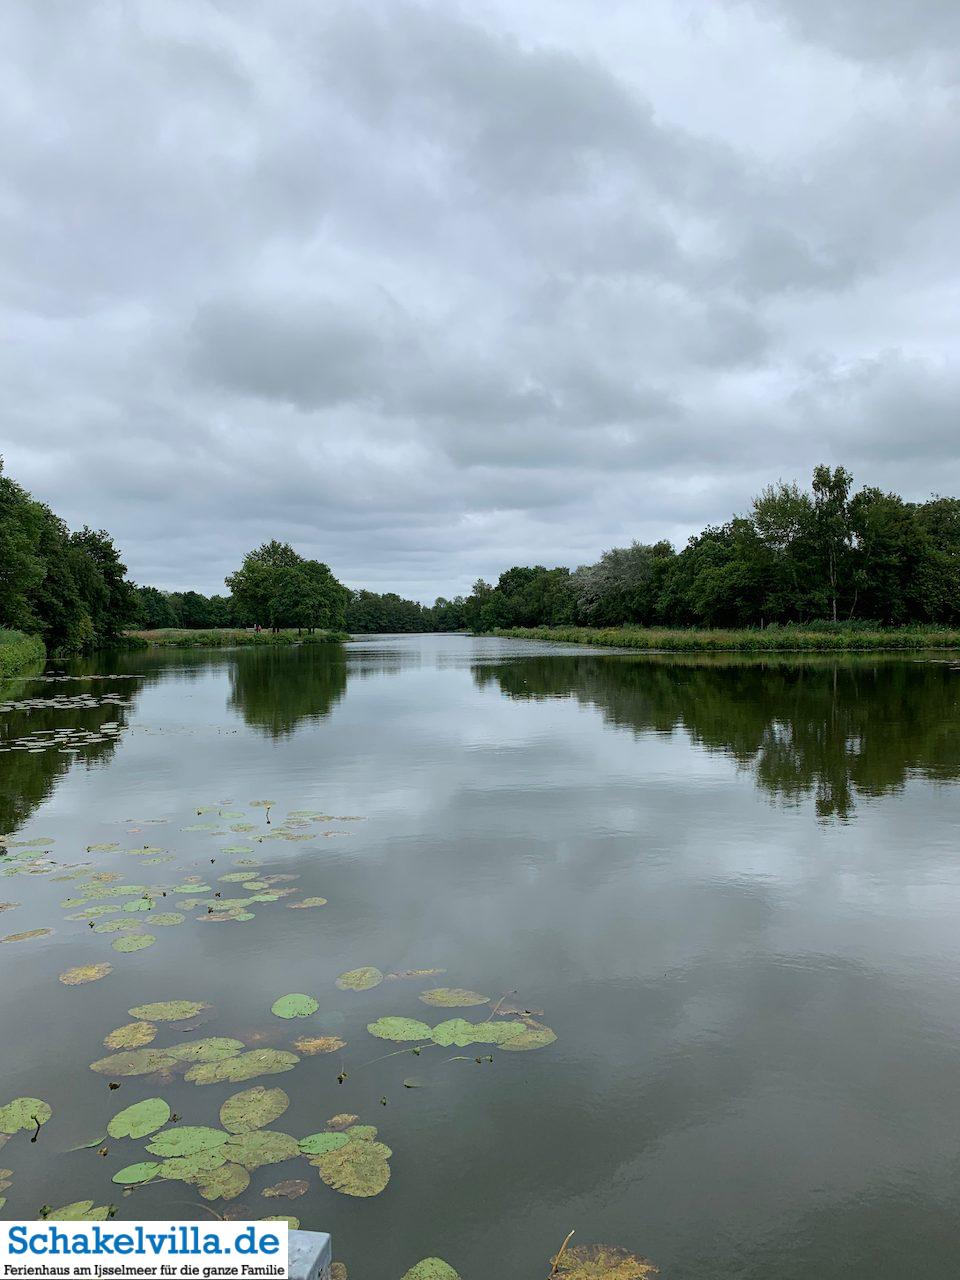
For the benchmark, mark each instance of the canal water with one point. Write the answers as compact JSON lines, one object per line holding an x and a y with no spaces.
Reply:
{"x":730,"y":888}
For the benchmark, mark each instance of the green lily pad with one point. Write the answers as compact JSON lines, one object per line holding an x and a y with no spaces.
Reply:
{"x":260,"y":1147}
{"x":362,"y":1133}
{"x":24,"y":937}
{"x":81,"y":1211}
{"x":138,"y":904}
{"x":85,"y":973}
{"x":318,"y":1144}
{"x":186,"y":1140}
{"x":208,"y":1049}
{"x":536,"y":1037}
{"x":245,"y":1066}
{"x":432,"y":1269}
{"x":307,"y":902}
{"x":134,"y":1174}
{"x":24,"y":1113}
{"x":225,"y":1184}
{"x":116,"y":926}
{"x":133,"y":942}
{"x":101,"y":848}
{"x":452,"y":997}
{"x":602,"y":1262}
{"x":253,"y":1109}
{"x":459,"y":1032}
{"x":356,"y":1169}
{"x":400,"y":1029}
{"x":360,"y":979}
{"x":138,"y":1062}
{"x":140,"y":1119}
{"x":166,"y":919}
{"x":133,"y":1035}
{"x":169,"y":1010}
{"x":295,"y":1006}
{"x":194,"y":1168}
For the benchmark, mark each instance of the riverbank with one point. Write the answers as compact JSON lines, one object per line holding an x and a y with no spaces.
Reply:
{"x":229,"y":637}
{"x":770,"y":640}
{"x":19,"y":653}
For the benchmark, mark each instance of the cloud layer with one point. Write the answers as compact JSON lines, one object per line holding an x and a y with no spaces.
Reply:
{"x":432,"y":288}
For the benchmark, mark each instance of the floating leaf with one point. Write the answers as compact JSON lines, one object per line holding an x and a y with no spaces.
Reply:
{"x":360,"y":979}
{"x":81,"y":1211}
{"x":291,"y":1189}
{"x":318,"y":1144}
{"x":138,"y":1062}
{"x":134,"y":1174}
{"x":166,"y":918}
{"x":363,"y":1133}
{"x":226,"y":1183}
{"x":85,"y":973}
{"x":452,"y":997}
{"x":139,"y":1120}
{"x":343,"y":1120}
{"x":356,"y":1169}
{"x":117,"y":926}
{"x":532,"y":1037}
{"x":400,"y":1029}
{"x":307,"y":902}
{"x":194,"y":1168}
{"x":459,"y":1032}
{"x":245,"y":1066}
{"x":602,"y":1262}
{"x":253,"y":1109}
{"x":24,"y":1113}
{"x":101,"y":848}
{"x":186,"y":1140}
{"x":139,"y":904}
{"x":294,"y":1006}
{"x":260,"y":1147}
{"x":133,"y":942}
{"x":208,"y":1049}
{"x":168,"y":1010}
{"x":30,"y":933}
{"x":432,"y":1269}
{"x":310,"y":1045}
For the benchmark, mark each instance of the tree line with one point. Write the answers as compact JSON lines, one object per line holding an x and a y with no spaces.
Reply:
{"x":798,"y":556}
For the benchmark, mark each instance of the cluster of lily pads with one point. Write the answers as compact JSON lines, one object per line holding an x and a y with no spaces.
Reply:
{"x":21,"y":1115}
{"x":579,"y":1262}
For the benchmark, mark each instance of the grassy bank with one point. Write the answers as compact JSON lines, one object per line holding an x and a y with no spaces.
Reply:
{"x":827,"y":638}
{"x":227,"y":637}
{"x":19,"y":653}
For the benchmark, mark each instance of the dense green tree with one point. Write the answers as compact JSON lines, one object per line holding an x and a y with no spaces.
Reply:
{"x":276,"y":587}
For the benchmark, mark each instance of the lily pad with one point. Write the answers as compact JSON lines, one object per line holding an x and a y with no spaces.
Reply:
{"x":208,"y":1049}
{"x":24,"y":1113}
{"x":133,"y":942}
{"x":307,"y":902}
{"x":141,"y":1119}
{"x":138,"y":904}
{"x":169,"y":1010}
{"x":134,"y":1174}
{"x":138,"y":1062}
{"x":432,"y":1269}
{"x":295,"y":1006}
{"x":253,"y":1109}
{"x":291,"y":1189}
{"x":356,"y":1169}
{"x":342,"y":1120}
{"x":186,"y":1140}
{"x":318,"y":1144}
{"x":245,"y":1066}
{"x":260,"y":1147}
{"x":532,"y":1037}
{"x":311,"y":1045}
{"x":602,"y":1262}
{"x":133,"y":1035}
{"x":24,"y":937}
{"x":459,"y":1032}
{"x":194,"y":1168}
{"x":81,"y":1211}
{"x":360,"y":979}
{"x":117,"y":926}
{"x":166,"y":919}
{"x":85,"y":973}
{"x":400,"y":1029}
{"x":225,"y":1183}
{"x":453,"y":997}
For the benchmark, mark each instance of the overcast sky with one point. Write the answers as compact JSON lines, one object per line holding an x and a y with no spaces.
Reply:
{"x":430,"y":289}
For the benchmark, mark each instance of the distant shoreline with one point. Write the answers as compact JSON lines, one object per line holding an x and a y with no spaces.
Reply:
{"x":838,"y":639}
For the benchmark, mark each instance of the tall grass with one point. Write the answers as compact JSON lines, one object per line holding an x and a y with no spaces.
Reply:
{"x":227,"y":637}
{"x":19,"y":653}
{"x":826,"y":637}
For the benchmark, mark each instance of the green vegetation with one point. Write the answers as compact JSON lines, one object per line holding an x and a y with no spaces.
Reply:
{"x":816,"y":637}
{"x":228,"y":637}
{"x":795,"y":558}
{"x":19,"y":653}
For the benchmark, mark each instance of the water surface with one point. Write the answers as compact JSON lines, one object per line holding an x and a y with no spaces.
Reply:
{"x":732,"y":887}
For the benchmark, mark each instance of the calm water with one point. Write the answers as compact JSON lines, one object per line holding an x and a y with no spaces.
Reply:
{"x":732,"y":887}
